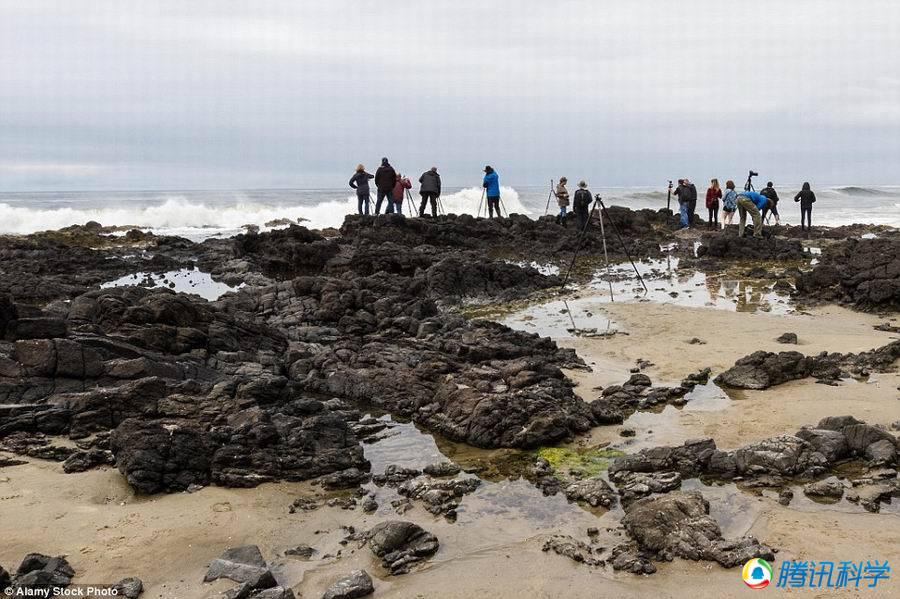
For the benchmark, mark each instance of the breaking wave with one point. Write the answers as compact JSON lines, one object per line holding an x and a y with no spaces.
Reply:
{"x":198,"y":219}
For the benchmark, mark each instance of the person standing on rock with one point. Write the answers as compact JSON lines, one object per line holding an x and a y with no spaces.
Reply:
{"x":769,"y":192}
{"x":360,"y":182}
{"x":807,"y":198}
{"x":430,"y":190}
{"x":492,"y":190}
{"x":752,"y":202}
{"x":729,"y":203}
{"x":581,"y":204}
{"x":562,"y":200}
{"x":385,"y":178}
{"x":400,"y":186}
{"x":713,"y":195}
{"x":684,"y":193}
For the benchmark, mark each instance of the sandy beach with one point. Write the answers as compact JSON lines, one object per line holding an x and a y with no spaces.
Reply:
{"x":107,"y":532}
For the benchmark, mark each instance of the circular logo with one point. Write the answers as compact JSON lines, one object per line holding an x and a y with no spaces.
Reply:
{"x":757,"y":573}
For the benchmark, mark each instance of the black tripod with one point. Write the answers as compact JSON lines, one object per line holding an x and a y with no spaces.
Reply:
{"x":603,"y":210}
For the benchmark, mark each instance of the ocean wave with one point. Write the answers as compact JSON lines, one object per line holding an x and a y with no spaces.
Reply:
{"x":859,"y":191}
{"x":177,"y":215}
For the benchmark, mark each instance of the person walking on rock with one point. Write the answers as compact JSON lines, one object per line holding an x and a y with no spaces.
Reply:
{"x":713,"y":195}
{"x":492,"y":190}
{"x":752,"y":202}
{"x":581,"y":204}
{"x":807,"y":198}
{"x":729,"y":203}
{"x":769,"y":192}
{"x":562,"y":200}
{"x":400,"y":186}
{"x":360,"y":182}
{"x":385,"y":179}
{"x":430,"y":190}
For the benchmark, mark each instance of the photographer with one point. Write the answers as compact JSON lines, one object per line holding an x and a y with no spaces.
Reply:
{"x":491,"y":185}
{"x":752,"y":202}
{"x":769,"y":192}
{"x":581,"y":204}
{"x":687,"y":197}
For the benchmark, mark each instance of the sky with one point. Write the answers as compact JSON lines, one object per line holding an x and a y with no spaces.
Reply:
{"x":269,"y":94}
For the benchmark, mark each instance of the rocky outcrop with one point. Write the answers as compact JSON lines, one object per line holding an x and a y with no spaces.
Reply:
{"x":761,"y":370}
{"x":725,"y":245}
{"x":678,"y":524}
{"x":863,"y":273}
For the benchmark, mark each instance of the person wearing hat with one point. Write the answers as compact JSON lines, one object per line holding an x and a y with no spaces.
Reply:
{"x":562,"y":200}
{"x":581,"y":204}
{"x":492,"y":189}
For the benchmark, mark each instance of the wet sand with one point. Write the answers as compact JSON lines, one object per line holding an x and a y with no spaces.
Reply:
{"x":495,"y":547}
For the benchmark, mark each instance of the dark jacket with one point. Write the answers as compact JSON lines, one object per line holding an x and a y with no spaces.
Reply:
{"x":806,"y":197}
{"x":770,"y":193}
{"x":360,"y":182}
{"x":581,"y":201}
{"x":431,"y":183}
{"x":686,"y":193}
{"x":385,"y":177}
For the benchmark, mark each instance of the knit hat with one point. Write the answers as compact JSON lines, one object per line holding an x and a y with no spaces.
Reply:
{"x":582,"y":184}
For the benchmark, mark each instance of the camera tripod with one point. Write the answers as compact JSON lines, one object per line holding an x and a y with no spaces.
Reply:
{"x":603,"y":210}
{"x":500,"y":205}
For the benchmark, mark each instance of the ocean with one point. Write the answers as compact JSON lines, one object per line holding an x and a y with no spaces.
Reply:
{"x":198,"y":215}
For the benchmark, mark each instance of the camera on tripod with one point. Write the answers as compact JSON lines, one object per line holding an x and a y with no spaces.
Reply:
{"x":748,"y":186}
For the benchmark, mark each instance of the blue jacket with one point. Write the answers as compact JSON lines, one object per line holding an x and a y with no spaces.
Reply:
{"x":757,"y":198}
{"x":492,"y":184}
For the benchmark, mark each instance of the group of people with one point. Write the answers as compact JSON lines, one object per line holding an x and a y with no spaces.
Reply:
{"x":581,"y":202}
{"x":757,"y":204}
{"x":391,"y":186}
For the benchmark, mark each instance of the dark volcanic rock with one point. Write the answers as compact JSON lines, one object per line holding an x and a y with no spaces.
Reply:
{"x":244,"y":565}
{"x":722,"y":245}
{"x":573,"y":549}
{"x":38,"y":570}
{"x":357,"y":584}
{"x":863,"y":273}
{"x":761,"y":370}
{"x":788,"y":338}
{"x":131,"y":588}
{"x":441,"y":497}
{"x":678,"y":525}
{"x":401,"y":545}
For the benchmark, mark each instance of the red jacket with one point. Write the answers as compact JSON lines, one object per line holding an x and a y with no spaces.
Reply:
{"x":399,"y":187}
{"x":713,"y":196}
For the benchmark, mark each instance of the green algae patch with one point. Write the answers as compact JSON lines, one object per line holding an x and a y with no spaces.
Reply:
{"x":579,"y":462}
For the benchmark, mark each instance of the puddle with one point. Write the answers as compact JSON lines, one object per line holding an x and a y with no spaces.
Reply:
{"x":505,"y":503}
{"x":183,"y":281}
{"x":544,"y":269}
{"x":666,"y":284}
{"x":564,"y":318}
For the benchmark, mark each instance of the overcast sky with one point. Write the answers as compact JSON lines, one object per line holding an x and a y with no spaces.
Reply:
{"x":256,"y":94}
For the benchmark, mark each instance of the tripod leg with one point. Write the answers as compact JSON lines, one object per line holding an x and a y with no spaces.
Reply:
{"x":606,"y":258}
{"x":577,"y":248}
{"x":624,"y":247}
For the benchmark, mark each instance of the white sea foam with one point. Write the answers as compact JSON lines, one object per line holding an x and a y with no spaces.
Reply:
{"x":178,"y":215}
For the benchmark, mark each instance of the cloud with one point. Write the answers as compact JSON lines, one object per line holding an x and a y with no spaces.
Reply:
{"x":218,"y":94}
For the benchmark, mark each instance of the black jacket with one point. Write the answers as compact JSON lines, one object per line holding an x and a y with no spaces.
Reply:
{"x":581,"y":201}
{"x":360,"y":182}
{"x":770,"y":193}
{"x":686,"y":193}
{"x":805,"y":197}
{"x":385,"y":177}
{"x":431,"y":183}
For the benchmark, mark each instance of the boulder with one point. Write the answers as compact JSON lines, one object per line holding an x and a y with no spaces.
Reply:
{"x":401,"y":545}
{"x":244,"y":564}
{"x":357,"y":584}
{"x":830,"y":487}
{"x":37,"y":569}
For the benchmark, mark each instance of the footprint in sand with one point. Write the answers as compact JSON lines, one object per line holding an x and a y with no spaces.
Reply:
{"x":221,"y":507}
